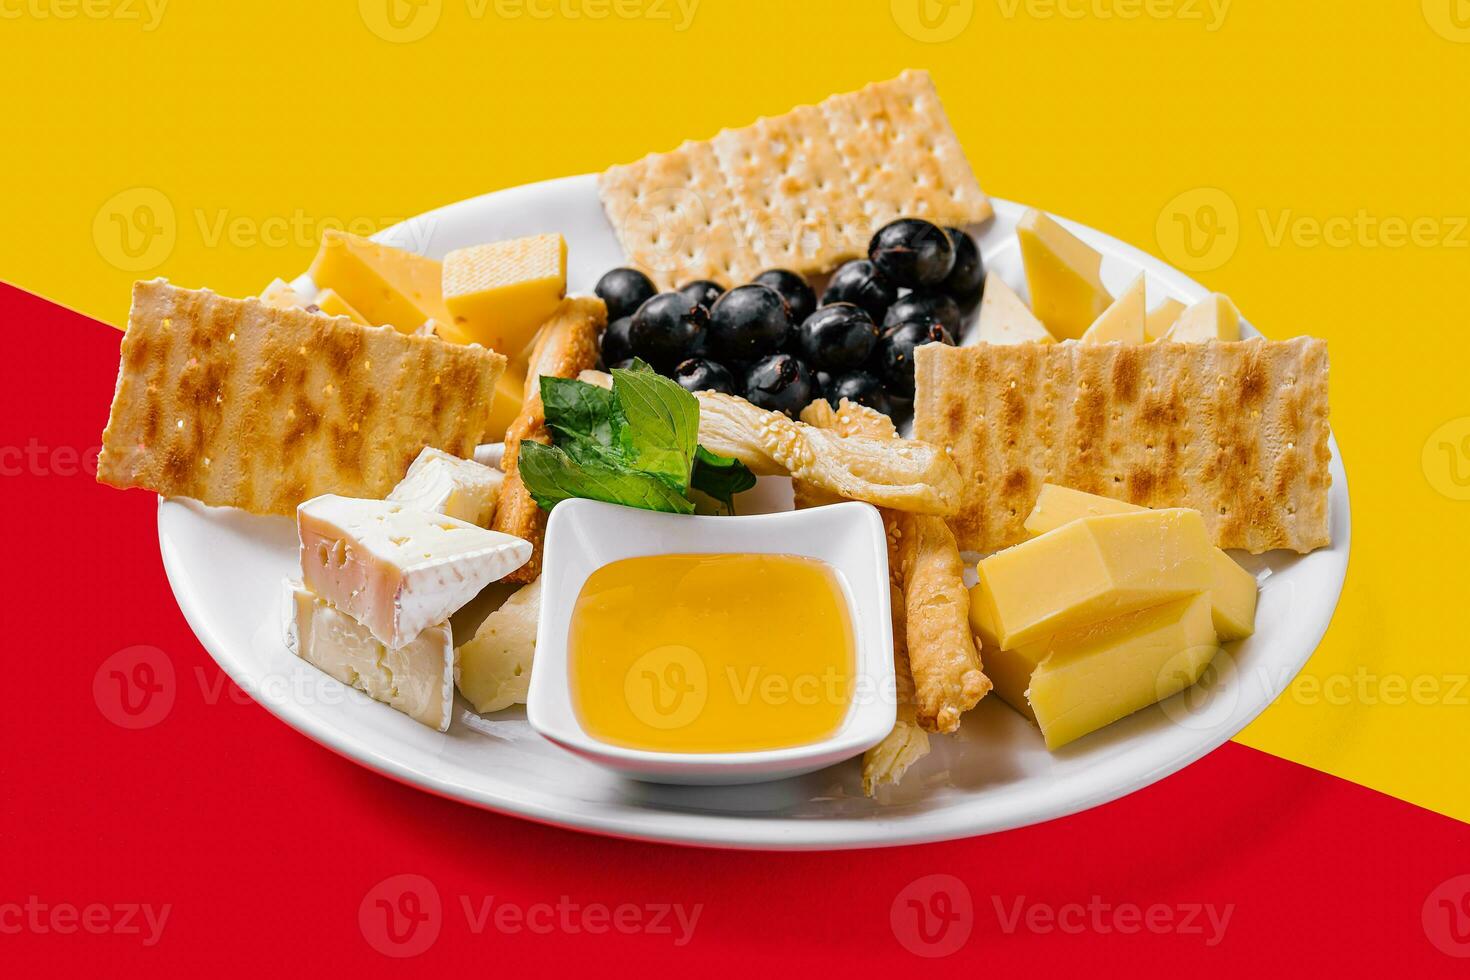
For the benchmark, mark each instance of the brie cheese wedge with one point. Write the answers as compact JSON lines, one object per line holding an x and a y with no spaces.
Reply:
{"x":417,"y":678}
{"x":395,"y":569}
{"x":495,"y":666}
{"x":443,"y":484}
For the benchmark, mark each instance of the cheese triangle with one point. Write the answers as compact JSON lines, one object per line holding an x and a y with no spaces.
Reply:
{"x":1212,"y":318}
{"x":1161,"y":318}
{"x":1005,"y":318}
{"x":1063,"y":274}
{"x":386,"y":285}
{"x":1121,"y":323}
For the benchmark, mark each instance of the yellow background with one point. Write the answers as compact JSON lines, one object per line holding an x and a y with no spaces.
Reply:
{"x":259,"y":123}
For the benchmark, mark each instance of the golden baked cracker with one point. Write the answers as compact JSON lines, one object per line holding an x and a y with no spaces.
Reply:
{"x":239,"y":404}
{"x":677,"y":219}
{"x":1234,"y":429}
{"x":566,"y":346}
{"x":802,"y":191}
{"x":902,"y":154}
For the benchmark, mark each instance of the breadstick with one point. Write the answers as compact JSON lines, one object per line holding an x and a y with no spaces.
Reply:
{"x":901,"y":474}
{"x":886,"y":762}
{"x":925,"y":562}
{"x":567,"y":346}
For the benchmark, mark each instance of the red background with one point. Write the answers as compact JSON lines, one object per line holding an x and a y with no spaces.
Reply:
{"x":265,"y":846}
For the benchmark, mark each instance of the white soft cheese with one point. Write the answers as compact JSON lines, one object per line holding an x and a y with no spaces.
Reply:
{"x":443,"y":484}
{"x":395,"y":569}
{"x":417,"y":678}
{"x":495,"y":666}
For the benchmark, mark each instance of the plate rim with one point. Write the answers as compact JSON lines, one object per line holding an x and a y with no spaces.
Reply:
{"x":764,"y":833}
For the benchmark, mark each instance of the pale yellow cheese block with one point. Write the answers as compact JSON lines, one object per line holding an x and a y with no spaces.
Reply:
{"x":1161,"y":318}
{"x":1063,"y":274}
{"x":1121,"y":323}
{"x":1212,"y":318}
{"x":1232,"y":588}
{"x":330,"y":302}
{"x":386,"y":285}
{"x":1005,"y":318}
{"x":1093,"y":569}
{"x":500,"y":293}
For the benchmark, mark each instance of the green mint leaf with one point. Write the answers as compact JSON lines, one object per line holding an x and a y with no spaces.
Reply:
{"x":662,"y":423}
{"x":721,"y":477}
{"x":576,"y":410}
{"x":551,"y":475}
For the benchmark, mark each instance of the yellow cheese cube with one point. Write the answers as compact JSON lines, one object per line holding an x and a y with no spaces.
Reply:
{"x":386,"y":285}
{"x":1161,"y":318}
{"x":1005,"y":319}
{"x":1009,"y":670}
{"x":1093,"y":569}
{"x":1063,"y":274}
{"x":499,"y":294}
{"x":1212,"y":318}
{"x":1232,"y":588}
{"x":1090,"y":677}
{"x":332,"y":304}
{"x":1123,"y":321}
{"x":510,"y":392}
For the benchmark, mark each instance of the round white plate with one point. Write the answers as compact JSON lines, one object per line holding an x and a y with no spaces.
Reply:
{"x":226,"y":566}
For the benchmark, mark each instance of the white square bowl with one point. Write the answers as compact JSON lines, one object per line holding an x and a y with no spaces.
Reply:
{"x":584,"y":535}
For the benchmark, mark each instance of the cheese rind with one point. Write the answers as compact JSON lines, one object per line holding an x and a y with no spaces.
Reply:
{"x":1005,"y":318}
{"x":395,"y":569}
{"x":416,"y":679}
{"x":1093,"y":569}
{"x":1063,"y":274}
{"x":1092,"y":676}
{"x":386,"y":285}
{"x":500,"y":293}
{"x":1212,"y":318}
{"x":1161,"y":318}
{"x":1123,"y":321}
{"x":1232,"y":588}
{"x":439,"y":483}
{"x":495,"y":666}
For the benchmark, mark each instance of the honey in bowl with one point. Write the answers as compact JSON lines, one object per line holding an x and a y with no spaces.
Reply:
{"x":711,"y":653}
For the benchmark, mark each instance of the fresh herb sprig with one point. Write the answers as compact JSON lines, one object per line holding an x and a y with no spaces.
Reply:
{"x":636,"y":445}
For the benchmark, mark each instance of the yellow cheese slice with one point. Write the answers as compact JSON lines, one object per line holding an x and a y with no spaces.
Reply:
{"x":500,"y":293}
{"x":330,"y":302}
{"x":1232,"y":588}
{"x":386,"y":285}
{"x":1005,"y":318}
{"x":1122,"y":322}
{"x":1212,"y":318}
{"x":1161,"y":318}
{"x":1063,"y":274}
{"x":1090,"y":677}
{"x":1093,"y":569}
{"x":510,"y":392}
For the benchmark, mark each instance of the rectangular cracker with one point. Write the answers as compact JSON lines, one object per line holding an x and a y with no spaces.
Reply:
{"x":238,"y":404}
{"x":1236,"y":430}
{"x":802,"y":191}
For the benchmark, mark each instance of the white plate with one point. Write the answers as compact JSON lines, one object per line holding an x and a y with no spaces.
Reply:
{"x":225,"y":568}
